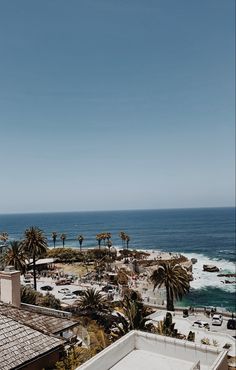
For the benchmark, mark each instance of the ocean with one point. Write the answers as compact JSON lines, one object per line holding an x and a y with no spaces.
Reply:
{"x":207,"y":234}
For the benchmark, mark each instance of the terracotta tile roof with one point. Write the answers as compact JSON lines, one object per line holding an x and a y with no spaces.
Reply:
{"x":19,"y":343}
{"x":37,"y":321}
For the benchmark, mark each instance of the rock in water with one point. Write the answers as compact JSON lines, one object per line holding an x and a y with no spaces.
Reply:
{"x":210,"y":268}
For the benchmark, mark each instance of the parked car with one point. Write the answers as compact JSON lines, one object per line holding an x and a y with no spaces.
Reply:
{"x":27,"y":281}
{"x":217,"y":320}
{"x":201,"y":324}
{"x":64,"y":290}
{"x":47,"y":287}
{"x":106,"y":288}
{"x":231,"y":324}
{"x":69,"y":296}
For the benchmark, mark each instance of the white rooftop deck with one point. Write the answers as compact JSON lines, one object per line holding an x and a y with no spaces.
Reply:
{"x":140,"y":359}
{"x":139,"y":350}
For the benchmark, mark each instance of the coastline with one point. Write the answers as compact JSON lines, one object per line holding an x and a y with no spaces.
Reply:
{"x":205,"y":286}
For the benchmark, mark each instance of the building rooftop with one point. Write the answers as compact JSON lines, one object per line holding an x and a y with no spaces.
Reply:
{"x":20,"y":344}
{"x":139,"y":350}
{"x":37,"y":321}
{"x":43,"y":261}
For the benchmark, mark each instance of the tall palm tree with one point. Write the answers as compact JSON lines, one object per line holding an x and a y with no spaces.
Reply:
{"x":54,"y":238}
{"x":99,"y":238}
{"x":108,"y":237}
{"x":109,"y":244}
{"x":80,"y":239}
{"x":175,"y":279}
{"x":127,"y":239}
{"x":35,"y":245}
{"x":122,"y":236}
{"x":16,"y":256}
{"x":63,"y":238}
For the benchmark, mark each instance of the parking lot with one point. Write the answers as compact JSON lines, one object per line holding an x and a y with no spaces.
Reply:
{"x":60,"y":291}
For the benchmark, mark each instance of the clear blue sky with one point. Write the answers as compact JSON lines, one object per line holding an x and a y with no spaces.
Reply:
{"x":116,"y":104}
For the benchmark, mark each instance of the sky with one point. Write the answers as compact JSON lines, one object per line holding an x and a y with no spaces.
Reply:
{"x":116,"y":104}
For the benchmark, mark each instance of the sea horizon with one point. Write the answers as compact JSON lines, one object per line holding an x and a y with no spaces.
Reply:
{"x":116,"y":210}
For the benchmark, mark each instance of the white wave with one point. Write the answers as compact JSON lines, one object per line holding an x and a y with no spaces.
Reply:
{"x":204,"y":279}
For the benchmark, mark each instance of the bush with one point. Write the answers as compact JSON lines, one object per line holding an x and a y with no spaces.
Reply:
{"x":49,"y":301}
{"x":66,"y":254}
{"x":30,"y":296}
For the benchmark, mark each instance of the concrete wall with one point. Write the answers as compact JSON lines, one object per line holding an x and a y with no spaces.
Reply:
{"x":170,"y":347}
{"x":10,"y":287}
{"x":111,"y":355}
{"x":184,"y":350}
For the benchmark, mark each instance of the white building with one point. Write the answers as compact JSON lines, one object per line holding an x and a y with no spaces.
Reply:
{"x":139,"y":351}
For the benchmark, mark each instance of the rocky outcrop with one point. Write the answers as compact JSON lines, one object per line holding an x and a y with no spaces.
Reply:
{"x":210,"y":268}
{"x":227,"y":275}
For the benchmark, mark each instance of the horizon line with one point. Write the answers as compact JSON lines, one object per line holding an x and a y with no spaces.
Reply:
{"x":115,"y":210}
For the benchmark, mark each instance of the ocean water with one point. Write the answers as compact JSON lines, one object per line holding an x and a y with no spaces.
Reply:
{"x":207,"y":234}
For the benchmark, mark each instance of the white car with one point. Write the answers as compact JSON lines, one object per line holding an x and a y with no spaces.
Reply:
{"x":64,"y":290}
{"x":69,"y":296}
{"x":201,"y":324}
{"x":217,"y":320}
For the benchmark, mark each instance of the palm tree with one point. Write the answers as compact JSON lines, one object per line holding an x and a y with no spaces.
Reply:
{"x":109,"y":244}
{"x":175,"y":279}
{"x":63,"y":238}
{"x":54,"y":238}
{"x":4,"y":236}
{"x":16,"y":256}
{"x":80,"y":239}
{"x":35,"y":245}
{"x":93,"y":303}
{"x":127,"y":239}
{"x":99,"y":238}
{"x":122,"y":236}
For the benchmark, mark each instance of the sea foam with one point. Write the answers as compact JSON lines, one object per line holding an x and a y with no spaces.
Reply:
{"x":204,"y":279}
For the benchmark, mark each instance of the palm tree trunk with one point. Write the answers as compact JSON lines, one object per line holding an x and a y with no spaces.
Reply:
{"x":169,"y":300}
{"x":34,"y":272}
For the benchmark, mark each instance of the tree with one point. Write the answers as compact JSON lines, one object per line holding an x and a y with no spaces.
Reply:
{"x":49,"y":300}
{"x":175,"y":279}
{"x":63,"y":238}
{"x":134,"y":310}
{"x":29,"y":295}
{"x":35,"y":245}
{"x":127,"y":239}
{"x":122,"y":236}
{"x":16,"y":256}
{"x":92,"y":303}
{"x":80,"y":239}
{"x":99,"y":238}
{"x":54,"y":238}
{"x":167,"y":327}
{"x":4,"y":236}
{"x":109,"y":245}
